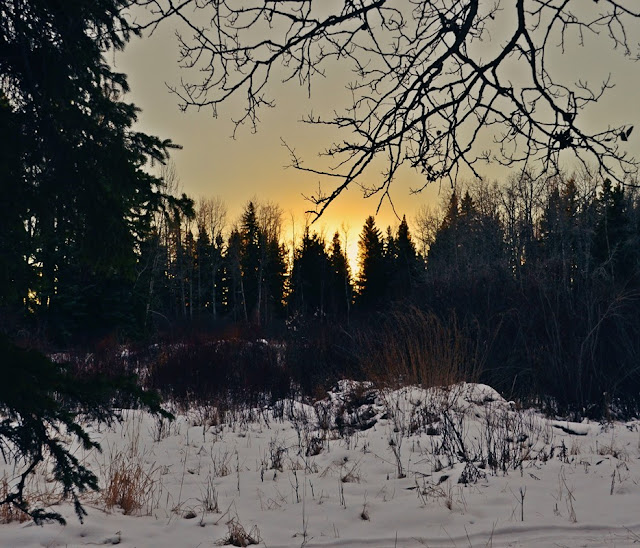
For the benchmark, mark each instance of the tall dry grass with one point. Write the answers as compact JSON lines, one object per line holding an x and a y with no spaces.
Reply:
{"x":129,"y":486}
{"x":411,"y":346}
{"x":8,"y":512}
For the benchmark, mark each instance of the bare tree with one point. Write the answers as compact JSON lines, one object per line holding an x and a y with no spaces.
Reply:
{"x":212,"y":214}
{"x":434,"y":83}
{"x":427,"y":222}
{"x":270,"y":219}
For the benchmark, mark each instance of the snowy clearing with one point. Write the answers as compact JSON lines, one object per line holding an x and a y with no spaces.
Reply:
{"x":411,"y":467}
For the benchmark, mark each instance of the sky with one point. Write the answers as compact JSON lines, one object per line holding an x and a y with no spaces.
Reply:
{"x":255,"y":166}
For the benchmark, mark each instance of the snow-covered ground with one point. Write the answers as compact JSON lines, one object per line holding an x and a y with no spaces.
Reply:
{"x":456,"y":467}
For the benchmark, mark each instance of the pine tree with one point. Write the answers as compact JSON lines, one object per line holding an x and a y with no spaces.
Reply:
{"x":274,"y":273}
{"x":340,"y":288}
{"x":371,"y":275}
{"x":85,"y":206}
{"x":250,"y":262}
{"x":613,"y":239}
{"x":233,"y":291}
{"x":211,"y":218}
{"x":558,"y":234}
{"x":16,"y":278}
{"x":87,"y":201}
{"x":390,"y":252}
{"x":443,"y":253}
{"x":406,"y":270}
{"x":218,"y":294}
{"x":310,"y":277}
{"x":203,"y":271}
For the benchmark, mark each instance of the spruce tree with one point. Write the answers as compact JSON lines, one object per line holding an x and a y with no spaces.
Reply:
{"x":77,"y":205}
{"x":250,"y":262}
{"x":340,"y":287}
{"x":613,"y":242}
{"x":87,"y":202}
{"x":443,"y":253}
{"x":406,"y":265}
{"x":16,"y":278}
{"x":310,"y":277}
{"x":203,"y":271}
{"x":274,"y":272}
{"x":371,"y":263}
{"x":233,"y":287}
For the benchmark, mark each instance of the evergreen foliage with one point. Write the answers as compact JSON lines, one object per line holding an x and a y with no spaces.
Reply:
{"x":310,"y":277}
{"x":83,"y":202}
{"x":77,"y":209}
{"x":406,"y":268}
{"x":320,"y":279}
{"x":371,"y":262}
{"x":340,"y":286}
{"x":41,"y":402}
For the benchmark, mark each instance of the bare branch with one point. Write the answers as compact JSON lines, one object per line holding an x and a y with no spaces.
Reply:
{"x":434,"y":80}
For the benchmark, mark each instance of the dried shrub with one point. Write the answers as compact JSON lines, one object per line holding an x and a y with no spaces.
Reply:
{"x":238,"y":536}
{"x":320,"y":354}
{"x":412,"y":347}
{"x":197,"y":371}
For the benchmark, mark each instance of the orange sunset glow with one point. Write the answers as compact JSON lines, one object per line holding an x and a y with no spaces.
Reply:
{"x":256,"y":165}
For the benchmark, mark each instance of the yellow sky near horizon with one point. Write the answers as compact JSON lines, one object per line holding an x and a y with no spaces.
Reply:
{"x":254,"y":166}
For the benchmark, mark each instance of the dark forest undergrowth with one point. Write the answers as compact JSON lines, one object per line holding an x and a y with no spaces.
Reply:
{"x":238,"y":366}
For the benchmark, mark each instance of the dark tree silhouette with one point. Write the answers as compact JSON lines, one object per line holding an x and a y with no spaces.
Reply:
{"x":78,"y":205}
{"x":251,"y":262}
{"x":310,"y":277}
{"x":86,"y":201}
{"x":341,"y":290}
{"x":407,"y":268}
{"x":372,"y":281}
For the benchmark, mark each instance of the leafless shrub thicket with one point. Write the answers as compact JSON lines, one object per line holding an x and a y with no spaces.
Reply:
{"x":412,"y":347}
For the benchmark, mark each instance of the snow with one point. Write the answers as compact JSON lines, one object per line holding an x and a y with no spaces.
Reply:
{"x":360,"y":468}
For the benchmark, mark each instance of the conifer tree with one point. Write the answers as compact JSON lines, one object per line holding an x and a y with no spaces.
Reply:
{"x":310,"y":277}
{"x":406,"y":270}
{"x":443,"y":253}
{"x":274,"y":272}
{"x":341,"y":290}
{"x":203,"y":271}
{"x":86,"y":206}
{"x":615,"y":239}
{"x":16,"y":278}
{"x":235,"y":303}
{"x":371,"y":263}
{"x":250,"y":262}
{"x":87,"y":201}
{"x":558,"y":226}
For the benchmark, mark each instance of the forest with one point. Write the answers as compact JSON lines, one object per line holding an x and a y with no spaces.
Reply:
{"x":533,"y":282}
{"x":117,"y":290}
{"x":529,"y":284}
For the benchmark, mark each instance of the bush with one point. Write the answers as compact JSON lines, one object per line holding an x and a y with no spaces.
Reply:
{"x":200,"y":371}
{"x":318,"y":355}
{"x":410,"y":346}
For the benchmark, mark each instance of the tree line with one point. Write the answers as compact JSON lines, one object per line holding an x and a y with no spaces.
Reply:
{"x":195,"y":268}
{"x":544,"y":276}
